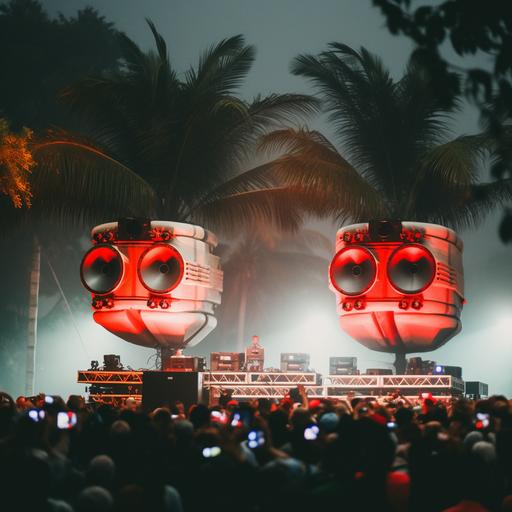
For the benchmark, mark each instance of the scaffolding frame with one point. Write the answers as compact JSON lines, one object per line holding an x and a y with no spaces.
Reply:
{"x":248,"y":385}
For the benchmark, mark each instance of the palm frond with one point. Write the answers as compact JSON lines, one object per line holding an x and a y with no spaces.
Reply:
{"x":90,"y":184}
{"x":159,"y":42}
{"x":222,"y":68}
{"x":480,"y":200}
{"x":256,"y":178}
{"x":455,"y":162}
{"x":462,"y":206}
{"x":383,"y":125}
{"x":330,"y":184}
{"x":233,"y":213}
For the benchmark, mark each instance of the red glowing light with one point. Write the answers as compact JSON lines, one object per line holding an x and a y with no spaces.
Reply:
{"x":411,"y":269}
{"x":161,"y":268}
{"x":353,"y":270}
{"x":101,"y":269}
{"x":412,"y":298}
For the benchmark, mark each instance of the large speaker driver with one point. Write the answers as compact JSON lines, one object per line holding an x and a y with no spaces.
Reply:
{"x":101,"y":269}
{"x":161,"y":268}
{"x":411,"y":268}
{"x":353,"y":270}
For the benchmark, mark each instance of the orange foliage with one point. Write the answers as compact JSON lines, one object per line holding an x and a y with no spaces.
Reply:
{"x":16,"y":163}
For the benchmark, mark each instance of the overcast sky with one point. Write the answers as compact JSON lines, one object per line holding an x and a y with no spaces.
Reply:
{"x":281,"y":29}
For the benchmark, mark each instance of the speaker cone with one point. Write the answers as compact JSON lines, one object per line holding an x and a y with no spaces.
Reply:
{"x":411,"y":268}
{"x":161,"y":268}
{"x":353,"y":270}
{"x":101,"y":269}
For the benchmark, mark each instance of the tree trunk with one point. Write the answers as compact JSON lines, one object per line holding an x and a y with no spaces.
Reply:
{"x":242,"y":314}
{"x":35,"y":274}
{"x":400,"y":363}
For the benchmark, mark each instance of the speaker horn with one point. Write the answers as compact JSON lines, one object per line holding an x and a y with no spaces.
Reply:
{"x":161,"y":268}
{"x":101,"y":269}
{"x":411,"y":268}
{"x":353,"y":270}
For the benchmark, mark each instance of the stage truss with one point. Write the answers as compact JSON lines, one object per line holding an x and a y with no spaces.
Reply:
{"x":109,"y":377}
{"x":259,"y":378}
{"x":250,"y":385}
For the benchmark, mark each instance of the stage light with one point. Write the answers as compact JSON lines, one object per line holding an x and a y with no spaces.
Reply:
{"x":438,"y":369}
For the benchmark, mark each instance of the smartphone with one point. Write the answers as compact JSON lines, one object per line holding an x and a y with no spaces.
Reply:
{"x":425,"y":395}
{"x":66,"y":420}
{"x":219,"y":417}
{"x":48,"y":399}
{"x":36,"y":415}
{"x":311,"y":432}
{"x":255,"y":438}
{"x":482,"y":420}
{"x":391,"y":425}
{"x":211,"y":451}
{"x":241,"y":418}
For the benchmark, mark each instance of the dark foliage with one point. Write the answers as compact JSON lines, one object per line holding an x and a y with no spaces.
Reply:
{"x":41,"y":55}
{"x":470,"y":27}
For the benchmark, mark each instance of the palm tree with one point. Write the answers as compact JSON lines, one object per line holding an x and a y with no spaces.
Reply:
{"x":393,"y":157}
{"x":186,"y":138}
{"x":158,"y":145}
{"x":30,"y":193}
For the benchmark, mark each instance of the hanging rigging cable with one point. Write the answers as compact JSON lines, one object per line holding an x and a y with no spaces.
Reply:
{"x":68,"y":307}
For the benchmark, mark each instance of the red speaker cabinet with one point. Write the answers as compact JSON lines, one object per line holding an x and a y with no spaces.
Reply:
{"x":153,"y":283}
{"x":399,"y":286}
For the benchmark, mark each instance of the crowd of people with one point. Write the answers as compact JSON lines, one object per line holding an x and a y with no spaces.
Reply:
{"x":386,"y":454}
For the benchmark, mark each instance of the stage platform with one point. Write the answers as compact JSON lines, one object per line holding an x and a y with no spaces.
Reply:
{"x":114,"y":386}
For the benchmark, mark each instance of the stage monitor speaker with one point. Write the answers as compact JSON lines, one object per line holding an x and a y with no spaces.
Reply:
{"x":343,"y":366}
{"x":477,"y":389}
{"x":164,"y":389}
{"x":227,"y":361}
{"x":186,"y":364}
{"x":294,"y":362}
{"x":454,"y":371}
{"x":379,"y":371}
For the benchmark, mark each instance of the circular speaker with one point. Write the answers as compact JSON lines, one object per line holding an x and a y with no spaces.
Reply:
{"x":161,"y":268}
{"x":411,"y":268}
{"x":353,"y":270}
{"x":101,"y":269}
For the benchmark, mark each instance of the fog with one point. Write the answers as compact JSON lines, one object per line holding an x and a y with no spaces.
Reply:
{"x":280,"y":30}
